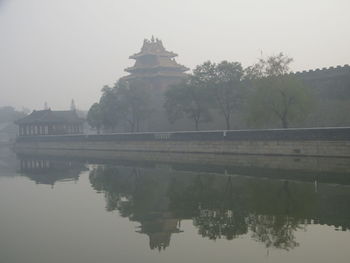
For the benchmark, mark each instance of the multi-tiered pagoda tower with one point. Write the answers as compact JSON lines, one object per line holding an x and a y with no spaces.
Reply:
{"x":155,"y":66}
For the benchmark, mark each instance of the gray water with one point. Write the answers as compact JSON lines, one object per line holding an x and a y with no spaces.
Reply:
{"x":54,"y":210}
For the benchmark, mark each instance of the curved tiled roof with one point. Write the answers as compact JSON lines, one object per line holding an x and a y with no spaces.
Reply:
{"x":154,"y":59}
{"x":49,"y":116}
{"x":153,"y":47}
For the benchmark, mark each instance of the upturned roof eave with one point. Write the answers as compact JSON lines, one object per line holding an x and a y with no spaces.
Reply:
{"x":48,"y":117}
{"x":19,"y":122}
{"x":179,"y":68}
{"x":155,"y":75}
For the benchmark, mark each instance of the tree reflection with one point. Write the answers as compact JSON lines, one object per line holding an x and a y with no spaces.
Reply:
{"x":216,"y":224}
{"x":269,"y":211}
{"x":274,"y":231}
{"x":227,"y":219}
{"x":140,"y":197}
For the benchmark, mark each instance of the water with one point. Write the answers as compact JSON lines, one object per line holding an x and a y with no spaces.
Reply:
{"x":72,"y":210}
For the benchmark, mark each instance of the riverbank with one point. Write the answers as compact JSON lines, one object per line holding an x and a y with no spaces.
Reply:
{"x":316,"y":142}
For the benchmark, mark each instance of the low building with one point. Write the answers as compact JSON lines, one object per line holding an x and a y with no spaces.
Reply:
{"x":48,"y":122}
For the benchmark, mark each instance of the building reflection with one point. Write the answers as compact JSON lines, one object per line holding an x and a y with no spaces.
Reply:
{"x":49,"y":171}
{"x":159,"y":227}
{"x":269,"y":211}
{"x":140,"y":198}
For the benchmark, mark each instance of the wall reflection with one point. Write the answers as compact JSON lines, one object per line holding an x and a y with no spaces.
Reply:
{"x":268,"y":209}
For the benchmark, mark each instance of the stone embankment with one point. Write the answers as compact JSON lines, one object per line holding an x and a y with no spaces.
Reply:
{"x":316,"y":142}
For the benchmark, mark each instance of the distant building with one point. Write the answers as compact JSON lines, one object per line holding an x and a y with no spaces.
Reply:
{"x":155,"y":70}
{"x":155,"y":66}
{"x":48,"y":122}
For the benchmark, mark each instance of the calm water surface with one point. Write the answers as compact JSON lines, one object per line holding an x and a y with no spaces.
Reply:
{"x":68,"y":211}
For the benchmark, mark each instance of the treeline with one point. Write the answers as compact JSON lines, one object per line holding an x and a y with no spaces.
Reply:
{"x":261,"y":94}
{"x":9,"y":114}
{"x":127,"y":104}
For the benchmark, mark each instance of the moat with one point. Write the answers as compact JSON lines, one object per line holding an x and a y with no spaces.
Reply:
{"x":65,"y":209}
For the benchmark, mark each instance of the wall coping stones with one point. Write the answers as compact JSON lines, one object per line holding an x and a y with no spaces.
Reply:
{"x":292,"y":134}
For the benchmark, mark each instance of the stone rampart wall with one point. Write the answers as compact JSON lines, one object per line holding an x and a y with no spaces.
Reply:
{"x":200,"y":161}
{"x":330,"y":142}
{"x":331,"y":72}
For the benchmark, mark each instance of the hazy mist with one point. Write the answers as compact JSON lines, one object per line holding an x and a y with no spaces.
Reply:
{"x":58,"y":50}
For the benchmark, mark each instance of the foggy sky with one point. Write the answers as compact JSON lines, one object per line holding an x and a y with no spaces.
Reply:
{"x":56,"y":50}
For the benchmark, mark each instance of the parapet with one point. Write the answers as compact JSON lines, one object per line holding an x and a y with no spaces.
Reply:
{"x":323,"y":73}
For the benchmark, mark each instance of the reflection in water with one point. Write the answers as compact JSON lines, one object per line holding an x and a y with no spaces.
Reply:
{"x":48,"y":171}
{"x":269,"y":211}
{"x":140,"y":198}
{"x":248,"y":212}
{"x":7,"y":161}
